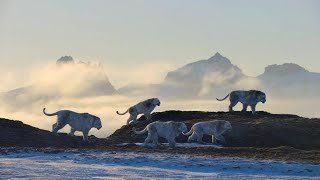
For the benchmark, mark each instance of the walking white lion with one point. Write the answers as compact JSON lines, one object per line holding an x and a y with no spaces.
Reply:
{"x":169,"y":130}
{"x":214,"y":128}
{"x":144,"y":107}
{"x":247,"y":98}
{"x":78,"y":121}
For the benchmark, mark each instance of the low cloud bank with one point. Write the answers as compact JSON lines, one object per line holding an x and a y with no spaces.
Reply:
{"x":85,"y":87}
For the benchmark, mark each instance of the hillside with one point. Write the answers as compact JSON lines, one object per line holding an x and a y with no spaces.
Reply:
{"x":262,"y":130}
{"x":264,"y":136}
{"x":18,"y":134}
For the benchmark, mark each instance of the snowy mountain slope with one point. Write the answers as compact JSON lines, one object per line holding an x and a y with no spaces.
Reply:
{"x":115,"y":165}
{"x":290,"y":80}
{"x":217,"y":75}
{"x":203,"y":78}
{"x":67,"y":78}
{"x":196,"y":72}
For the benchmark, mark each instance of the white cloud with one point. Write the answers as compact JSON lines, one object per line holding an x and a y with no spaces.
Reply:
{"x":69,"y":81}
{"x":147,"y":73}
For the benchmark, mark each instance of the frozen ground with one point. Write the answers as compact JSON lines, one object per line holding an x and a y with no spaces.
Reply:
{"x":180,"y":145}
{"x":53,"y":164}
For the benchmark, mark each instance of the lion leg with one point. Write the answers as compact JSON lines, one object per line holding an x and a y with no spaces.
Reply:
{"x":244,"y":107}
{"x":133,"y":118}
{"x":148,"y":139}
{"x":192,"y":137}
{"x":53,"y":126}
{"x":129,"y":120}
{"x":56,"y":127}
{"x":253,"y":109}
{"x":155,"y":140}
{"x":199,"y":138}
{"x":233,"y":103}
{"x":72,"y":131}
{"x":172,"y":142}
{"x":221,"y":138}
{"x":213,"y":140}
{"x":85,"y":135}
{"x":148,"y":116}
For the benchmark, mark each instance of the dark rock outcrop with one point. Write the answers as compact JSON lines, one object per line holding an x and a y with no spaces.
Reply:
{"x":18,"y":134}
{"x":262,"y":130}
{"x":65,"y":60}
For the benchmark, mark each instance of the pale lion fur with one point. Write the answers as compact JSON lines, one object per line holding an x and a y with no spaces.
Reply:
{"x":169,"y":130}
{"x":214,"y":128}
{"x":144,"y":107}
{"x":247,"y":98}
{"x":78,"y":121}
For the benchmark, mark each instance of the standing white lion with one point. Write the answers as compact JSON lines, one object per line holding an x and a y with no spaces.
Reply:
{"x":169,"y":130}
{"x":144,"y":107}
{"x":214,"y":128}
{"x":78,"y":121}
{"x":247,"y":98}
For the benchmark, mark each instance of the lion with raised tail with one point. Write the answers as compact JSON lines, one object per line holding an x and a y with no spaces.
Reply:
{"x":78,"y":121}
{"x":247,"y":98}
{"x":214,"y":128}
{"x":169,"y":130}
{"x":144,"y":107}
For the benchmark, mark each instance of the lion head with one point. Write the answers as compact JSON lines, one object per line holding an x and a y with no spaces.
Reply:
{"x":180,"y":127}
{"x":156,"y":101}
{"x":97,"y":122}
{"x":262,"y":97}
{"x":227,"y":125}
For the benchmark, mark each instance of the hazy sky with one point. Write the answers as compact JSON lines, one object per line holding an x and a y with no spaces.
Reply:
{"x":127,"y":33}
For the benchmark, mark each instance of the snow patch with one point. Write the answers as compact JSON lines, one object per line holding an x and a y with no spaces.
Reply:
{"x":129,"y":165}
{"x":178,"y":145}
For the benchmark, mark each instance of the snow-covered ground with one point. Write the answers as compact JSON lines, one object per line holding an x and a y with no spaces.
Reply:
{"x":180,"y":145}
{"x":129,"y":165}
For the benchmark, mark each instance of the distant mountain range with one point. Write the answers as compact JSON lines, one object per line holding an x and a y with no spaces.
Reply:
{"x":202,"y":78}
{"x":290,"y":80}
{"x":198,"y":71}
{"x":213,"y":77}
{"x":217,"y":76}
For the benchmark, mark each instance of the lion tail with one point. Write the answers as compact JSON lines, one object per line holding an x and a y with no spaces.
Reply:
{"x":188,"y":133}
{"x":122,"y":113}
{"x":139,"y":132}
{"x":223,"y":98}
{"x":48,"y":114}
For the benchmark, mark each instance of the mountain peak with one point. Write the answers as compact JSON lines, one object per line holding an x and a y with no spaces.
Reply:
{"x":217,"y":55}
{"x":219,"y":59}
{"x":213,"y":67}
{"x":65,"y":60}
{"x":284,"y":69}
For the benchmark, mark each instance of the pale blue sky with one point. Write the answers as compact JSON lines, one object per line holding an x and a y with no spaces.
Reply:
{"x":252,"y":34}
